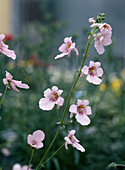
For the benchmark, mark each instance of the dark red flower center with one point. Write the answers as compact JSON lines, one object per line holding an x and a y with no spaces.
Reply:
{"x":80,"y":109}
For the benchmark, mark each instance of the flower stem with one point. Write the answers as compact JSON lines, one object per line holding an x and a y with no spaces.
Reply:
{"x":53,"y":154}
{"x":77,"y":63}
{"x":40,"y":163}
{"x":58,"y":113}
{"x":30,"y":159}
{"x":3,"y":95}
{"x":80,"y":83}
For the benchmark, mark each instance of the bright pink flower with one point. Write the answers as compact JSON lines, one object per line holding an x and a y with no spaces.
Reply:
{"x":93,"y":72}
{"x":19,"y":167}
{"x":81,"y":110}
{"x":52,"y":97}
{"x":36,"y":139}
{"x":4,"y":48}
{"x":66,"y":48}
{"x":71,"y":139}
{"x":13,"y":83}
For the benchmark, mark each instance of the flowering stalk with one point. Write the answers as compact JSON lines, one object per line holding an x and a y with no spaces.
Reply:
{"x":3,"y":95}
{"x":30,"y":158}
{"x":68,"y":100}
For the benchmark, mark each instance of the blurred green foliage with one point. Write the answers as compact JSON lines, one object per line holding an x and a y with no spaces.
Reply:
{"x":103,"y":139}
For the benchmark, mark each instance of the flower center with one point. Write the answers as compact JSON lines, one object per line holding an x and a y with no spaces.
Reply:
{"x":69,"y":44}
{"x":70,"y":137}
{"x":34,"y":142}
{"x":91,"y":70}
{"x":55,"y":96}
{"x":80,"y":109}
{"x":105,"y":26}
{"x":9,"y":80}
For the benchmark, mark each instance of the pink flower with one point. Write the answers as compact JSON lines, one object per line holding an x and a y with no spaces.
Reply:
{"x":13,"y":83}
{"x":81,"y":110}
{"x":103,"y":38}
{"x":93,"y":72}
{"x":36,"y":139}
{"x":66,"y":48}
{"x":4,"y":48}
{"x":52,"y":97}
{"x":92,"y":21}
{"x":18,"y":167}
{"x":71,"y":139}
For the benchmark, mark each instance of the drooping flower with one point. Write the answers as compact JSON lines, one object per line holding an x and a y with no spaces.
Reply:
{"x":36,"y":139}
{"x":92,"y":21}
{"x":4,"y":48}
{"x":93,"y":72}
{"x":81,"y":110}
{"x":66,"y":48}
{"x":19,"y":167}
{"x":103,"y":38}
{"x":52,"y":97}
{"x":13,"y":83}
{"x":71,"y":139}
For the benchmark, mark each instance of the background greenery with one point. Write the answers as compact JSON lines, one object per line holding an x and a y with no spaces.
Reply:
{"x":103,"y":139}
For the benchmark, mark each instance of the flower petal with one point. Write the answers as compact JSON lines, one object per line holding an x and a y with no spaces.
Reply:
{"x":73,"y":108}
{"x":39,"y":135}
{"x":79,"y":147}
{"x":45,"y":104}
{"x":82,"y":119}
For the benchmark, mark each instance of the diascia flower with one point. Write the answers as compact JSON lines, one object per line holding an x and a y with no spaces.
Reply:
{"x":52,"y":97}
{"x":93,"y":72}
{"x":36,"y":139}
{"x":4,"y":48}
{"x":13,"y":83}
{"x":66,"y":48}
{"x":103,"y":38}
{"x":71,"y":139}
{"x":81,"y":110}
{"x":19,"y":167}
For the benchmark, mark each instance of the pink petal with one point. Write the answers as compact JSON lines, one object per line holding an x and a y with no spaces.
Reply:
{"x":79,"y":102}
{"x":71,"y":115}
{"x":66,"y":145}
{"x":60,"y":101}
{"x":99,"y":47}
{"x":61,"y":55}
{"x":63,"y":48}
{"x":107,"y":41}
{"x":47,"y":92}
{"x":82,"y":119}
{"x":9,"y":53}
{"x":95,"y":25}
{"x":14,"y":86}
{"x":99,"y":72}
{"x":91,"y":64}
{"x":16,"y":167}
{"x":77,"y":53}
{"x":68,"y":39}
{"x":67,"y":140}
{"x":54,"y":88}
{"x":93,"y":79}
{"x":8,"y":75}
{"x":72,"y":132}
{"x":97,"y":64}
{"x":73,"y":108}
{"x":60,"y":92}
{"x":39,"y":145}
{"x":79,"y":147}
{"x":2,"y":36}
{"x":72,"y":46}
{"x":29,"y":139}
{"x":5,"y":81}
{"x":45,"y":104}
{"x":20,"y":84}
{"x":39,"y":135}
{"x":75,"y":139}
{"x":85,"y":102}
{"x":88,"y":110}
{"x":85,"y":70}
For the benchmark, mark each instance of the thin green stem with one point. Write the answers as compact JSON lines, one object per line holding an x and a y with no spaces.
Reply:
{"x":80,"y":83}
{"x":120,"y":165}
{"x":53,"y":154}
{"x":67,"y":121}
{"x":58,"y":113}
{"x":3,"y":95}
{"x":40,"y":163}
{"x":30,"y":158}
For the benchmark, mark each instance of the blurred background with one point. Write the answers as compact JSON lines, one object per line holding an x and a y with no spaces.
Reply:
{"x":35,"y":29}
